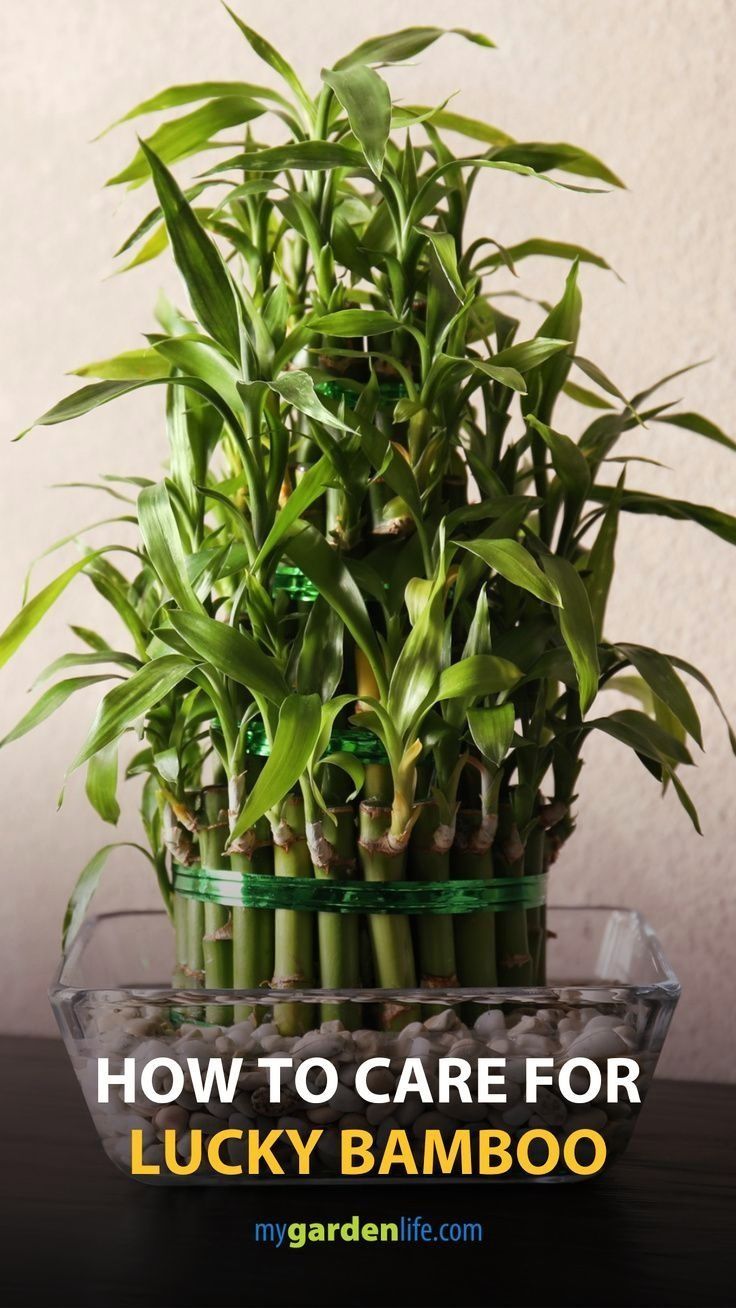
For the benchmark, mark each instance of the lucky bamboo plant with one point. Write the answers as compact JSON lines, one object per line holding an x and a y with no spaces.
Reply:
{"x":360,"y":636}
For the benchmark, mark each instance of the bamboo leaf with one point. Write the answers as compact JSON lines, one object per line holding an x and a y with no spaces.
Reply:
{"x":561,"y":323}
{"x":356,"y":322}
{"x":303,"y":156}
{"x":541,"y":155}
{"x":265,"y":51}
{"x":506,"y":376}
{"x":198,"y":260}
{"x":160,"y":534}
{"x":395,"y":47}
{"x":577,"y":626}
{"x":297,"y":389}
{"x":86,"y":886}
{"x":695,"y":422}
{"x":81,"y":659}
{"x":445,"y":249}
{"x":307,"y":490}
{"x":181,"y":137}
{"x":539,"y":246}
{"x":528,"y":354}
{"x":127,"y":366}
{"x":684,"y":799}
{"x":449,"y":121}
{"x":417,"y":669}
{"x":308,"y":550}
{"x":102,"y":782}
{"x":293,"y":744}
{"x":479,"y":674}
{"x":602,"y":560}
{"x":702,"y":680}
{"x":492,"y":730}
{"x":659,"y":674}
{"x":512,"y":561}
{"x":176,"y":96}
{"x":643,"y":735}
{"x":30,"y":615}
{"x":366,"y":100}
{"x":129,"y":701}
{"x":234,"y":653}
{"x":634,"y":501}
{"x":51,"y":700}
{"x":569,"y":462}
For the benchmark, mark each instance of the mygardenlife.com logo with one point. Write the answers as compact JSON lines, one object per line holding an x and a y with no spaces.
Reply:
{"x":407,"y":1230}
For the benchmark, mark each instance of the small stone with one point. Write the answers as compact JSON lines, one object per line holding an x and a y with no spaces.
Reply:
{"x":224,"y":1046}
{"x":355,"y":1122}
{"x":318,"y":1047}
{"x":332,"y":1027}
{"x":205,"y":1123}
{"x":239,"y":1122}
{"x":172,"y":1117}
{"x":500,"y":1045}
{"x":409,"y":1111}
{"x":272,"y":1044}
{"x":550,"y":1108}
{"x":590,"y":1119}
{"x":446,"y":1020}
{"x":218,"y":1109}
{"x":432,"y":1121}
{"x":388,"y":1125}
{"x":140,"y":1026}
{"x":596,"y":1044}
{"x":255,"y":1079}
{"x":518,"y":1114}
{"x":153,"y":1153}
{"x":323,"y":1114}
{"x":377,"y":1112}
{"x":490,"y":1023}
{"x":536,"y":1045}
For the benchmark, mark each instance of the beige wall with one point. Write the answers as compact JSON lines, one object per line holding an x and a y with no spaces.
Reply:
{"x":647,"y":84}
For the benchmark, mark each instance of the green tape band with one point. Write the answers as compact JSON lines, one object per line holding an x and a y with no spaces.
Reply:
{"x":254,"y":890}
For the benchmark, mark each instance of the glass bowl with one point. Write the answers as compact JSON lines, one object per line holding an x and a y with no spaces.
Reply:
{"x":611,"y":994}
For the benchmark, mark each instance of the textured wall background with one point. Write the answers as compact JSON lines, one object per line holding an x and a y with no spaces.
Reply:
{"x":648,"y":85}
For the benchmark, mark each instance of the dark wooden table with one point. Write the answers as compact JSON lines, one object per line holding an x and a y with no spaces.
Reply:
{"x":660,"y":1229}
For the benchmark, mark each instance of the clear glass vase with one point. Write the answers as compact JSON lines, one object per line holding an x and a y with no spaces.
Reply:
{"x":611,"y":993}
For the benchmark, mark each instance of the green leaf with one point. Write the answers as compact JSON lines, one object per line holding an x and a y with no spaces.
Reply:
{"x":297,"y":389}
{"x":366,"y":100}
{"x":176,"y":96}
{"x":356,"y":322}
{"x":635,"y":501}
{"x":304,"y":156}
{"x":702,"y":680}
{"x":644,"y":735}
{"x":198,"y":260}
{"x":701,"y":426}
{"x":445,"y":249}
{"x":528,"y":354}
{"x":308,"y":550}
{"x":80,"y":659}
{"x":539,"y":246}
{"x":448,"y":121}
{"x":492,"y":730}
{"x":506,"y":376}
{"x":395,"y":47}
{"x":561,"y":323}
{"x":291,"y":750}
{"x":51,"y":700}
{"x":684,"y":799}
{"x":160,"y":534}
{"x":30,"y":615}
{"x":417,"y":669}
{"x":309,"y":488}
{"x":181,"y":137}
{"x":271,"y":56}
{"x":318,"y":657}
{"x":479,"y":674}
{"x":577,"y":626}
{"x":541,"y":155}
{"x":129,"y":701}
{"x":234,"y":653}
{"x":569,"y":462}
{"x":659,"y":674}
{"x":86,"y":886}
{"x":102,"y":782}
{"x":601,"y":561}
{"x":127,"y":366}
{"x":512,"y":561}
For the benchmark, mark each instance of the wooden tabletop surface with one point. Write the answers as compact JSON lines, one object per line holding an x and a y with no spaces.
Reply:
{"x":659,"y":1229}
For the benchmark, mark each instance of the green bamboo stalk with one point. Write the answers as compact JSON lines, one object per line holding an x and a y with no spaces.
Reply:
{"x":217,"y":946}
{"x":515,"y":964}
{"x":536,"y":918}
{"x":253,"y":928}
{"x":294,"y":930}
{"x":338,"y":934}
{"x":429,"y":860}
{"x":475,"y":933}
{"x":180,"y":978}
{"x":391,"y":939}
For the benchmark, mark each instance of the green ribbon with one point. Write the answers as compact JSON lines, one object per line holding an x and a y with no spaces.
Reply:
{"x":256,"y":890}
